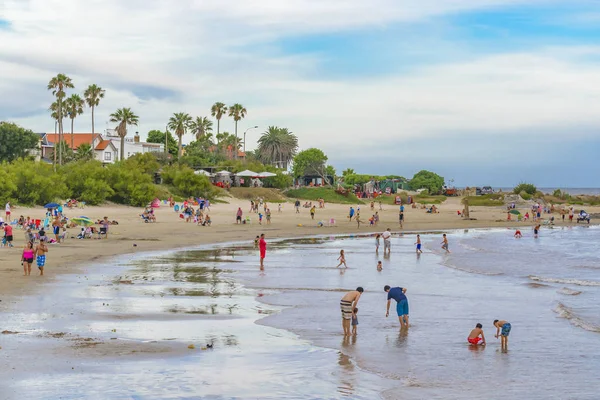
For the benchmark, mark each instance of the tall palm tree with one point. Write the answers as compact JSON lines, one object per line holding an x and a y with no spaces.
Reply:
{"x":218,"y":110}
{"x":124,"y":116}
{"x":180,"y":123}
{"x":237,"y":111}
{"x":201,"y":126}
{"x":277,"y":146}
{"x":92,"y":95}
{"x":73,"y":107}
{"x":54,"y":113}
{"x":58,"y":84}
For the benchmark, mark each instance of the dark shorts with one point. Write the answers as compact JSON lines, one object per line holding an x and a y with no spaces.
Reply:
{"x":56,"y":230}
{"x":419,"y":246}
{"x":238,"y":218}
{"x":9,"y":238}
{"x":505,"y":329}
{"x":28,"y":260}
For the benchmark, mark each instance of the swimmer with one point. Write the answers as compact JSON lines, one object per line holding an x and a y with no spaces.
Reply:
{"x":379,"y":266}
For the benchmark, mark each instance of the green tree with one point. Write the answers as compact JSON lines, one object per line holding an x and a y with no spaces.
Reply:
{"x":237,"y":112}
{"x":218,"y":110}
{"x":180,"y":123}
{"x":92,"y":95}
{"x":200,"y":127}
{"x":427,"y":180}
{"x":57,"y":85}
{"x":84,"y":152}
{"x":8,"y":188}
{"x":73,"y":107}
{"x":310,"y":162}
{"x":277,"y":146}
{"x":123,"y":116}
{"x":156,"y":136}
{"x":528,"y":188}
{"x":15,"y":141}
{"x":348,"y":171}
{"x":36,"y":182}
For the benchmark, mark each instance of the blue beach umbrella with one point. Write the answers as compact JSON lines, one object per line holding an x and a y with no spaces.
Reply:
{"x":51,"y":205}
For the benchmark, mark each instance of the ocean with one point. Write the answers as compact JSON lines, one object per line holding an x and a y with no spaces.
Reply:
{"x":124,"y":327}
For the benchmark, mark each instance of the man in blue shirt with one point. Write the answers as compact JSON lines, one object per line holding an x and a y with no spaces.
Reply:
{"x":398,"y":294}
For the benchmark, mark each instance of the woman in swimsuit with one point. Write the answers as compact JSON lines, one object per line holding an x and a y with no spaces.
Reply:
{"x":27,"y":258}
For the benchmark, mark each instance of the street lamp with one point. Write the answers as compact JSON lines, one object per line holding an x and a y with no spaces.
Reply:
{"x":252,"y":127}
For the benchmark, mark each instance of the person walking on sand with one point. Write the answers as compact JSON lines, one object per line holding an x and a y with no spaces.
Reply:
{"x":105,"y":225}
{"x":262,"y":245}
{"x":297,"y":205}
{"x":502,"y":330}
{"x":27,"y":258}
{"x":238,"y":216}
{"x":399,"y":295}
{"x":387,"y":241}
{"x":312,"y":212}
{"x":401,"y":217}
{"x":445,"y":243}
{"x":351,"y":214}
{"x":342,"y":259}
{"x":418,"y":243}
{"x":40,"y":252}
{"x":348,"y":303}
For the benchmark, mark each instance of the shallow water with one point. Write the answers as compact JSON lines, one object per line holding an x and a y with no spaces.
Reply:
{"x":277,"y":333}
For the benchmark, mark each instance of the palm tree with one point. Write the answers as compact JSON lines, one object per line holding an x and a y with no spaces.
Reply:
{"x":180,"y":123}
{"x":277,"y":146}
{"x":74,"y":107}
{"x":201,"y":126}
{"x":218,"y":110}
{"x":92,"y":95}
{"x":124,"y":116}
{"x":55,"y":116}
{"x":58,"y":84}
{"x":237,"y":111}
{"x":84,"y":152}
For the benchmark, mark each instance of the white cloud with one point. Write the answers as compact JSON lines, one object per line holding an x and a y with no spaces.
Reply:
{"x":213,"y":50}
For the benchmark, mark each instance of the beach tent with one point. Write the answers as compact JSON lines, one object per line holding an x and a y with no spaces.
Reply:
{"x":247,"y":173}
{"x":266,"y":174}
{"x":223,"y":173}
{"x":203,"y":172}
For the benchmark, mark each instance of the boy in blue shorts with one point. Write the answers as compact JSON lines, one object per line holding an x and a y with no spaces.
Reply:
{"x":502,"y":330}
{"x":398,"y":294}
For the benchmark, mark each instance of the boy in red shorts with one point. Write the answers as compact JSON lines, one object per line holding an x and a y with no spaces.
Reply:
{"x":474,"y":336}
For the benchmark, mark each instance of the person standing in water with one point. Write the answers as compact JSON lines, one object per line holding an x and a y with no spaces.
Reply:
{"x":399,"y":295}
{"x":502,"y":330}
{"x":348,"y":303}
{"x":387,"y":241}
{"x":262,"y":245}
{"x":418,"y":243}
{"x":342,"y":259}
{"x":377,"y":242}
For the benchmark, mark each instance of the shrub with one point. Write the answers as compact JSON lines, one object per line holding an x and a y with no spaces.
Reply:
{"x":36,"y":183}
{"x":281,"y":181}
{"x":8,"y":187}
{"x":189,"y":184}
{"x":87,"y":181}
{"x":528,"y":188}
{"x":524,"y":195}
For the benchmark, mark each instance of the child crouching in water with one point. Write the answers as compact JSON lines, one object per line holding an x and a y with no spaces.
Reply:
{"x":474,"y":336}
{"x":354,"y":320}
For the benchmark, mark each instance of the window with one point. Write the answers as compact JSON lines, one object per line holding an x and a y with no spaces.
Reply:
{"x":107,"y":156}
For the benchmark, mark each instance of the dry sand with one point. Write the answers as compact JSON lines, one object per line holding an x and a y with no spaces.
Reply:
{"x":171,"y":232}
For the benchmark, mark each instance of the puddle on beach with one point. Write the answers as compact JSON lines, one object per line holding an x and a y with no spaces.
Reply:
{"x":125,"y":329}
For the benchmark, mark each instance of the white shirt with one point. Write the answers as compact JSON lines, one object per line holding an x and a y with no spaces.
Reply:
{"x":7,"y":208}
{"x":386,"y":235}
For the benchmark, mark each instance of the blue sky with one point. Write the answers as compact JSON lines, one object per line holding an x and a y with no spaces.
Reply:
{"x":482,"y":92}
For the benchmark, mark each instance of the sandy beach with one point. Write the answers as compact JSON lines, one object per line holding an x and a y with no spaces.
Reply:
{"x":170,"y":232}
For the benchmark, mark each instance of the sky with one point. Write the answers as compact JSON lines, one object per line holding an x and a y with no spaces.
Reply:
{"x":483,"y":92}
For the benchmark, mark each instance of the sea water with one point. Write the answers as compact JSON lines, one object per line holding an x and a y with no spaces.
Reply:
{"x":277,"y":333}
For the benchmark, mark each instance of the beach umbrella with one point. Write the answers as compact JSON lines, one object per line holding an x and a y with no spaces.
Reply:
{"x":83,"y":221}
{"x":266,"y":175}
{"x":51,"y":205}
{"x":247,"y":173}
{"x":223,"y":173}
{"x":515,"y":212}
{"x":203,"y":172}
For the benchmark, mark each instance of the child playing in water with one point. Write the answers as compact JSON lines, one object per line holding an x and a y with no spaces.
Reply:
{"x":256,"y":241}
{"x":354,"y":320}
{"x":502,"y":330}
{"x":445,"y":244}
{"x":418,"y":243}
{"x":377,"y":241}
{"x":260,"y":218}
{"x":342,"y":259}
{"x":379,"y":266}
{"x":476,"y":335}
{"x":518,"y":234}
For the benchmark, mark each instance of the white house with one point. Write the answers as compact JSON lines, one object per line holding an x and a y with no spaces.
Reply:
{"x":133,"y":145}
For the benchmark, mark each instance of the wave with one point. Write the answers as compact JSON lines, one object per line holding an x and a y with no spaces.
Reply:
{"x":567,"y":313}
{"x":586,"y":267}
{"x":569,"y":292}
{"x":472,"y":271}
{"x":566,"y":281}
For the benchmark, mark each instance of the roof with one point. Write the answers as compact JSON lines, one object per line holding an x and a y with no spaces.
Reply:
{"x":104,"y":144}
{"x":78,"y":138}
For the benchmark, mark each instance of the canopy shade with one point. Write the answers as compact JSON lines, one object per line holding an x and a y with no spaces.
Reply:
{"x":203,"y":172}
{"x":223,"y":173}
{"x":247,"y":173}
{"x":266,"y":174}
